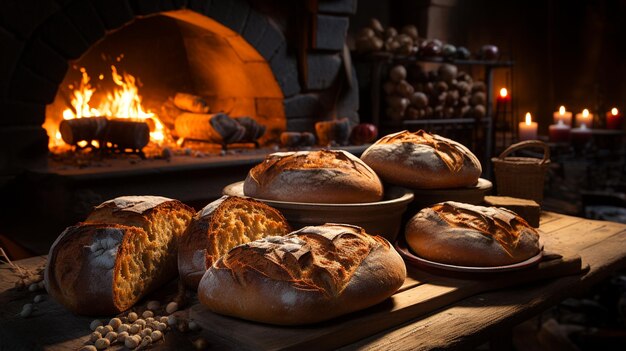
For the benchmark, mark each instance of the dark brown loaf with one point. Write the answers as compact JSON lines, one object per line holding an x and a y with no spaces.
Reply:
{"x":220,"y":226}
{"x":467,"y":235}
{"x":125,"y":249}
{"x":313,"y":176}
{"x":422,"y":161}
{"x":311,"y":275}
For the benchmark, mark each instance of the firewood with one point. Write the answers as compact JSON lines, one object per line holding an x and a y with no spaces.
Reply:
{"x":127,"y":134}
{"x":191,"y":103}
{"x":82,"y":129}
{"x":169,"y":113}
{"x":254,"y":130}
{"x":215,"y":128}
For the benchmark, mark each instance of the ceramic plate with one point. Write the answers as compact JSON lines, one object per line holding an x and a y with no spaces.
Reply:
{"x":412,"y":258}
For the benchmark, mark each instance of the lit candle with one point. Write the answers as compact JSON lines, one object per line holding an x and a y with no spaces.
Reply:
{"x":504,"y":95}
{"x":585,"y":118}
{"x":527,"y":129}
{"x":581,"y":135}
{"x":562,"y":115}
{"x":614,"y":119}
{"x":559,"y":133}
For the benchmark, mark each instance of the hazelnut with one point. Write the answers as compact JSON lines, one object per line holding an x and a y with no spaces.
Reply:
{"x":88,"y":348}
{"x":95,"y":324}
{"x":115,"y":323}
{"x":141,"y":322}
{"x":123,"y":328}
{"x":397,"y":74}
{"x":94,"y":336}
{"x":147,"y":314}
{"x":376,"y":25}
{"x":132,"y":317}
{"x":163,"y":319}
{"x":156,"y":335}
{"x":411,"y":31}
{"x":121,"y":337}
{"x":161,"y":326}
{"x":100,"y":329}
{"x":171,"y":307}
{"x":132,"y":342}
{"x":153,"y":305}
{"x":111,"y":336}
{"x":102,"y":343}
{"x":106,"y":329}
{"x":390,"y":33}
{"x":134,"y":329}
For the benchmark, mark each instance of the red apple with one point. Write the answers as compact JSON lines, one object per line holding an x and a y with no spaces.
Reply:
{"x":364,"y":133}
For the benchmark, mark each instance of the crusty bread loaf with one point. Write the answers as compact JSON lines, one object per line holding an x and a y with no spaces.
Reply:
{"x":422,"y":161}
{"x":313,"y":176}
{"x":311,"y":275}
{"x":125,"y":249}
{"x":467,"y":235}
{"x":220,"y":226}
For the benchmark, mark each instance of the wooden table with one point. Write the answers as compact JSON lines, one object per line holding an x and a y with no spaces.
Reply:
{"x":464,"y":323}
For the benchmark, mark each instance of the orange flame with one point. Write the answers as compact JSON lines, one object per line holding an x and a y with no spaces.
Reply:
{"x":123,"y":102}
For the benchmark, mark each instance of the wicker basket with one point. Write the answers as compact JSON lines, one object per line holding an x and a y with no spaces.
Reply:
{"x":522,"y":177}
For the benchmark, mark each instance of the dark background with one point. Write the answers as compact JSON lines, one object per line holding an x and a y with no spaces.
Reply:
{"x":565,"y":52}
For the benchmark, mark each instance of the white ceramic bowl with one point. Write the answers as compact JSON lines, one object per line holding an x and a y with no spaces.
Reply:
{"x":377,"y":218}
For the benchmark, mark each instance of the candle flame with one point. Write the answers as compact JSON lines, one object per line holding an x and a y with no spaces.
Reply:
{"x":585,"y":113}
{"x":562,"y":110}
{"x":528,"y":119}
{"x":614,"y":111}
{"x":503,"y":92}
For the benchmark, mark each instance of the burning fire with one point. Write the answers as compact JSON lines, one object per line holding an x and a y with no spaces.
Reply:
{"x":123,"y":102}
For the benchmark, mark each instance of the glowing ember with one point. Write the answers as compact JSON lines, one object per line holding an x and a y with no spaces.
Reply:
{"x":122,"y":102}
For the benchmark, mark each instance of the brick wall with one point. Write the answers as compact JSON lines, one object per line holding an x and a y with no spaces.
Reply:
{"x":41,"y":37}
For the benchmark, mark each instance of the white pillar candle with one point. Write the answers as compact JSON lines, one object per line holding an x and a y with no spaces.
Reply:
{"x":562,"y":115}
{"x":527,"y":129}
{"x":585,"y":118}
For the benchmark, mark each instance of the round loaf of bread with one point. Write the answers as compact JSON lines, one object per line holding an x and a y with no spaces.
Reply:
{"x":311,"y":275}
{"x":125,"y":249}
{"x":473,"y":236}
{"x":220,"y":226}
{"x":315,"y":177}
{"x":422,"y":161}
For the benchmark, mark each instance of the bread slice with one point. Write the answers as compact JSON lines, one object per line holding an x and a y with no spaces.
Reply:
{"x":220,"y":226}
{"x":126,"y":248}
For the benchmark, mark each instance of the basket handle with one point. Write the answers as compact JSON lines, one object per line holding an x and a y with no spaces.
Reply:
{"x":526,"y":144}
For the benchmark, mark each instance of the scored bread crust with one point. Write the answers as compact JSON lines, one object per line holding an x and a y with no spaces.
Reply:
{"x":423,"y":161}
{"x":311,"y":275}
{"x":325,"y":176}
{"x":82,"y":266}
{"x":120,"y":231}
{"x":204,"y":242}
{"x":475,"y":236}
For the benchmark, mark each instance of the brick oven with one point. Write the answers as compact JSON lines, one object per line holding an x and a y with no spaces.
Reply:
{"x":285,"y":64}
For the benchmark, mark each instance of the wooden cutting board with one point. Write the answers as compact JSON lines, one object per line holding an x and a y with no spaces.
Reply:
{"x":421,"y":294}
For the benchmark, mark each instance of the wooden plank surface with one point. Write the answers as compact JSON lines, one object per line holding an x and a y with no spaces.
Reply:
{"x":434,"y":293}
{"x":460,"y":320}
{"x":472,"y":321}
